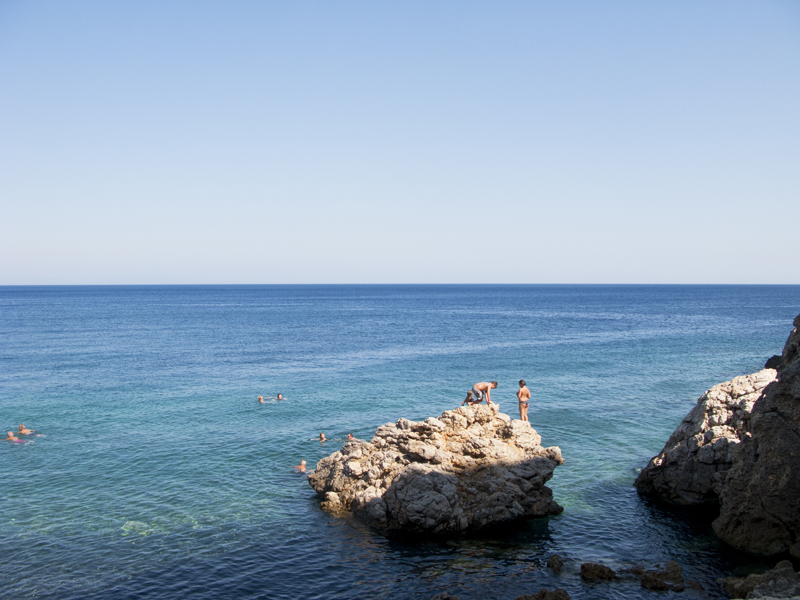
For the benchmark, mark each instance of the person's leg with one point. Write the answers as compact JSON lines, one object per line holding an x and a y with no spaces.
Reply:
{"x":521,"y":411}
{"x":525,"y":412}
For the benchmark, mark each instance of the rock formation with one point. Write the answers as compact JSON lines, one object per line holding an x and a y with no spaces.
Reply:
{"x":597,"y":571}
{"x":470,"y":468}
{"x":741,"y":446}
{"x":556,"y":563}
{"x":668,"y":578}
{"x":699,"y":450}
{"x":780,"y":582}
{"x":760,"y":493}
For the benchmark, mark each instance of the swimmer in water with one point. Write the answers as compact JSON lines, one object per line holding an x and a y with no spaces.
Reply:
{"x":279,"y":397}
{"x":12,"y":438}
{"x":24,"y":430}
{"x":301,"y":468}
{"x":261,"y":399}
{"x":322,"y":437}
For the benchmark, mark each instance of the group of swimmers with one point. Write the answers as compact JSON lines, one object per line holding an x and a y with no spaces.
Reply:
{"x":278,"y":397}
{"x":350,"y":438}
{"x":12,"y":437}
{"x":301,"y":468}
{"x":483,"y":391}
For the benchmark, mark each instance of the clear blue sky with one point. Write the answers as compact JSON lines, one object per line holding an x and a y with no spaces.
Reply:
{"x":430,"y":141}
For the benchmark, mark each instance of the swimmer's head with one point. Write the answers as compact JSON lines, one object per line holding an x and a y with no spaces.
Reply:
{"x":261,"y":399}
{"x":302,"y":463}
{"x":349,"y":436}
{"x":494,"y":384}
{"x":10,"y":435}
{"x":280,"y":396}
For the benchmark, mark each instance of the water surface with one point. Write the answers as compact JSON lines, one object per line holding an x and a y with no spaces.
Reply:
{"x":160,"y":476}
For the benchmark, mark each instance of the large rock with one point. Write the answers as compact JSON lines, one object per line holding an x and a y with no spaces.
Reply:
{"x":760,"y":493}
{"x":700,"y":449}
{"x":741,"y":446}
{"x":470,"y":468}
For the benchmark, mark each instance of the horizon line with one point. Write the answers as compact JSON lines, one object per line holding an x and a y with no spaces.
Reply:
{"x":31,"y":285}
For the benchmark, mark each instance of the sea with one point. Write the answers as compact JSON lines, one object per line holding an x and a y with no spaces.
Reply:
{"x":155,"y":473}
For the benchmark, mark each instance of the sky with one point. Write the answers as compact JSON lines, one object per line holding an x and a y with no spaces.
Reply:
{"x":434,"y":141}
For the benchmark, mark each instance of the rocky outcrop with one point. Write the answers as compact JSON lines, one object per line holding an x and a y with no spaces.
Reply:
{"x":700,"y":449}
{"x":470,"y":468}
{"x":760,"y":493}
{"x":780,"y":582}
{"x":740,"y":445}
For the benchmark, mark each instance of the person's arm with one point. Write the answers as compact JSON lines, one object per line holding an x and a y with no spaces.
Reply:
{"x":489,"y":395}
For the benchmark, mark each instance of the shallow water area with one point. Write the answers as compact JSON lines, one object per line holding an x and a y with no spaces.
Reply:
{"x":161,"y":476}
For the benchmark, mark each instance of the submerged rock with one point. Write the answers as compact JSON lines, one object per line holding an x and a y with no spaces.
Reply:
{"x":595,"y":571}
{"x":740,"y":446}
{"x":660,"y":579}
{"x":545,"y":594}
{"x":471,"y":468}
{"x":556,"y":563}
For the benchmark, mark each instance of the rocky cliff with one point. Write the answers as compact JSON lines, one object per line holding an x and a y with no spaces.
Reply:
{"x":700,"y":450}
{"x":740,"y":446}
{"x":760,"y":494}
{"x":470,"y":468}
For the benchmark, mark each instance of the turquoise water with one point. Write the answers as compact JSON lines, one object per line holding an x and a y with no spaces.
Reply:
{"x":159,"y":475}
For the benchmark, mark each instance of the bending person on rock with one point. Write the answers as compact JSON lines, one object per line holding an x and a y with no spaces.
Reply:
{"x":482,"y":391}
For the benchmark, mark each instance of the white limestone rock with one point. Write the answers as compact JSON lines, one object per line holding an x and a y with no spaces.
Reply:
{"x":699,"y":451}
{"x":469,"y":469}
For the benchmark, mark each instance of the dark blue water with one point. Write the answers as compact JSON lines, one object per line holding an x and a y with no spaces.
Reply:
{"x":160,"y":476}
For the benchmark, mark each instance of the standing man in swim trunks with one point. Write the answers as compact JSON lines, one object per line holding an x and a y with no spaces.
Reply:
{"x":524,"y":396}
{"x":482,"y":391}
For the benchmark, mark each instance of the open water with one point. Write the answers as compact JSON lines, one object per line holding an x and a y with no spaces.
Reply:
{"x":158,"y":474}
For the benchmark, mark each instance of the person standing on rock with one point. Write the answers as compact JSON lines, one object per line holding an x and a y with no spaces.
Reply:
{"x":482,"y":391}
{"x":524,"y":396}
